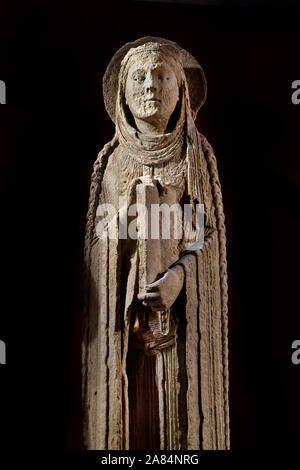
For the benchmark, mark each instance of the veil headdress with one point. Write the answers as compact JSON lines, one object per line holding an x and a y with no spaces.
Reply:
{"x":148,"y":150}
{"x":159,"y":149}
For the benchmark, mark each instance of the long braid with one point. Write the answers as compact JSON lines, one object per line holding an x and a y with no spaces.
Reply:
{"x":220,"y":218}
{"x":95,"y":188}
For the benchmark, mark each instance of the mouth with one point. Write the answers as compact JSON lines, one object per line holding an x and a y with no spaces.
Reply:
{"x":152,"y":100}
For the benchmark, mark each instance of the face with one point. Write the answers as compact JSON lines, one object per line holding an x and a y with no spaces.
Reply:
{"x":151,"y":89}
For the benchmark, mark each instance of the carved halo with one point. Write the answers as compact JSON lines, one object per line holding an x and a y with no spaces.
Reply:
{"x":194,"y":75}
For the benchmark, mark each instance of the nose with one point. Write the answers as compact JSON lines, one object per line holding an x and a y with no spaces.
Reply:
{"x":150,"y":82}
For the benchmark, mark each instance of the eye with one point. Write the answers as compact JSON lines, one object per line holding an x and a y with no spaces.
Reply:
{"x":167,"y":78}
{"x":160,"y":77}
{"x":138,"y":77}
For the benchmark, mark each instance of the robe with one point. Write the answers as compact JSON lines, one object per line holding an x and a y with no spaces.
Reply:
{"x":123,"y":390}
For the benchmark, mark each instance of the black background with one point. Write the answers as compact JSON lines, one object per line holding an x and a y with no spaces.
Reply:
{"x":53,"y":56}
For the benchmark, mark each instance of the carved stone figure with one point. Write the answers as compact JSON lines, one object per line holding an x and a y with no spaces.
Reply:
{"x":155,"y":361}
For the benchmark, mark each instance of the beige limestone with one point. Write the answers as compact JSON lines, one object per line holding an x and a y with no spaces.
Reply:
{"x":155,"y":359}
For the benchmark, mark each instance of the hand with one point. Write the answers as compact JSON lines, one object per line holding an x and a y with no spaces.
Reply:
{"x":161,"y":294}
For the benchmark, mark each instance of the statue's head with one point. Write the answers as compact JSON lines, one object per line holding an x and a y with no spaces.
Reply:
{"x":152,"y":82}
{"x":148,"y":77}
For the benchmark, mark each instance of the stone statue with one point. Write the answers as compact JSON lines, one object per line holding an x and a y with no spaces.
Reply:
{"x":155,"y":360}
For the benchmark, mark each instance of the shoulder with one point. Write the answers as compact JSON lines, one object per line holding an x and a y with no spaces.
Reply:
{"x":107,"y":151}
{"x":109,"y":183}
{"x":113,"y":160}
{"x":207,"y":151}
{"x":102,"y":161}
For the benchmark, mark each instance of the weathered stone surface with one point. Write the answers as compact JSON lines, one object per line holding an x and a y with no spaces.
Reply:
{"x":155,"y":360}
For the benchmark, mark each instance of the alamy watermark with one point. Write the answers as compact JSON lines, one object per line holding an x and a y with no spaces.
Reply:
{"x":160,"y":221}
{"x":2,"y":352}
{"x":296,"y":354}
{"x":296,"y":94}
{"x":2,"y":92}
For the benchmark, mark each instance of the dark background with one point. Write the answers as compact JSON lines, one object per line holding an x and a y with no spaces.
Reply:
{"x":53,"y":56}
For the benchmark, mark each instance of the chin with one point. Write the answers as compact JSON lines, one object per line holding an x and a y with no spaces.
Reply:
{"x":150,"y":110}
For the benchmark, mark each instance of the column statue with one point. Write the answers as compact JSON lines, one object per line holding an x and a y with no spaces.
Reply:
{"x":155,"y":354}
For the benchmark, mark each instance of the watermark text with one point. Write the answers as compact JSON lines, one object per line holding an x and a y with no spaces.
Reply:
{"x":2,"y":352}
{"x":2,"y":92}
{"x":296,"y":93}
{"x":159,"y":221}
{"x":296,"y":354}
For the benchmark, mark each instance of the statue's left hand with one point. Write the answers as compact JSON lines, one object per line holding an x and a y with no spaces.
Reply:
{"x":161,"y":294}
